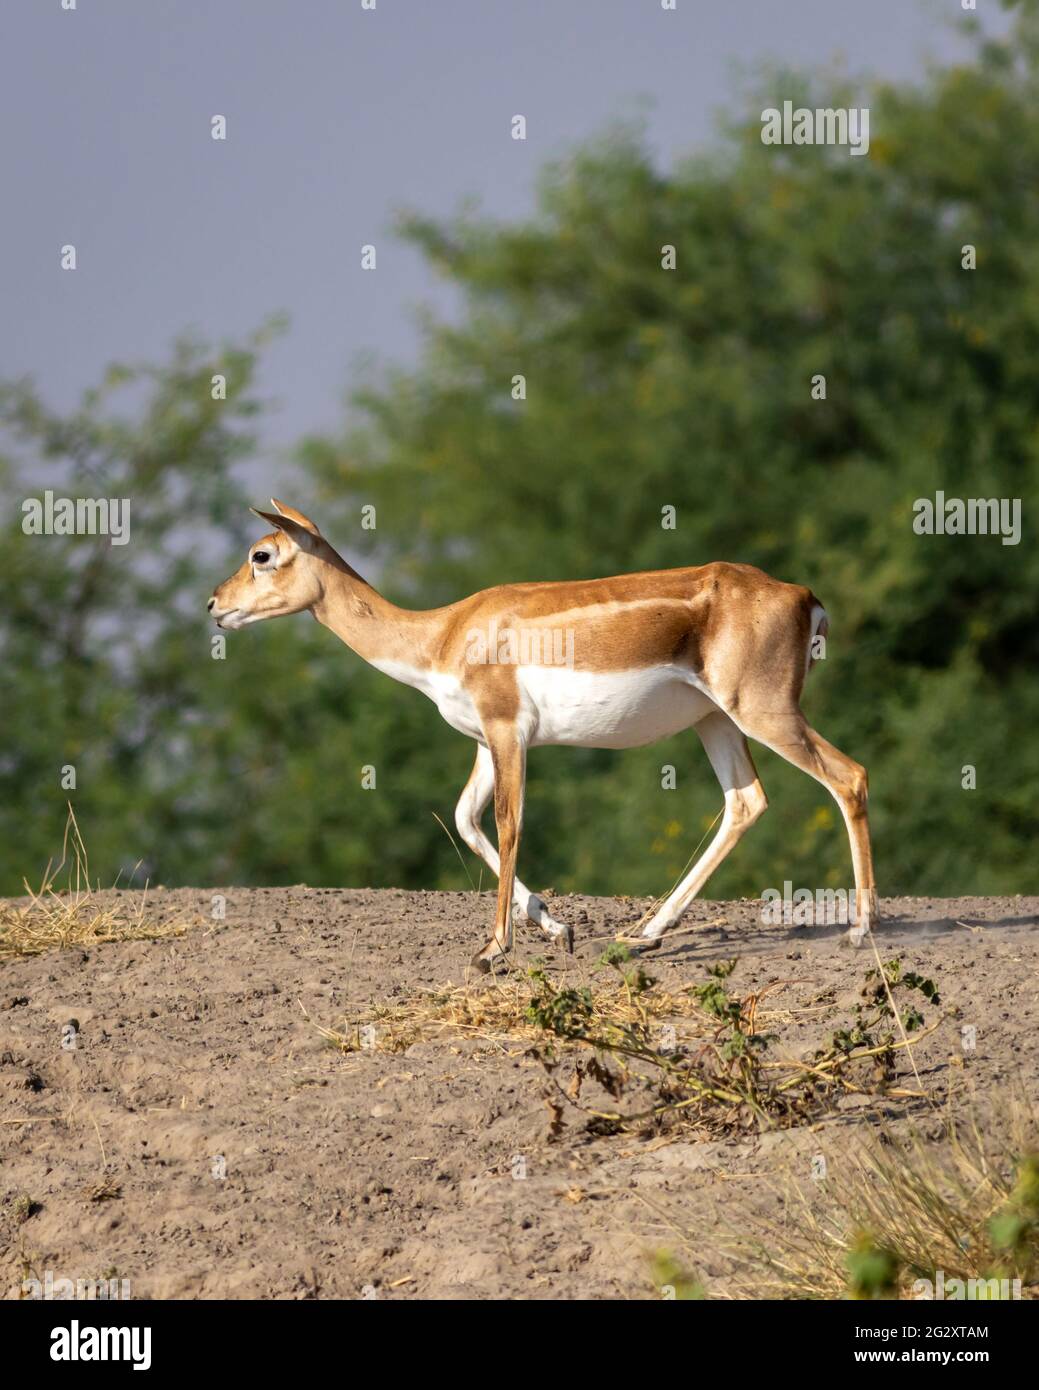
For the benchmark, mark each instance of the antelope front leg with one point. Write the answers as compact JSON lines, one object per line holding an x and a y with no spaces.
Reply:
{"x":475,"y":795}
{"x":509,"y":760}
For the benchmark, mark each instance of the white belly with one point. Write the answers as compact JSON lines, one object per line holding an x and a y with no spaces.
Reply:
{"x":587,"y":709}
{"x":610,"y":709}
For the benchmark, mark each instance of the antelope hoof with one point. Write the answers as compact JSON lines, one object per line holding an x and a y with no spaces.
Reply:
{"x":557,"y":932}
{"x":487,"y":957}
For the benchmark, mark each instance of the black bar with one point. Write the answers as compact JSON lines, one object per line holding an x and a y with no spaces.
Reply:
{"x":215,"y":1337}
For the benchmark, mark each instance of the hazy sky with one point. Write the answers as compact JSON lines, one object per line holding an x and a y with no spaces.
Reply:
{"x":336,"y":117}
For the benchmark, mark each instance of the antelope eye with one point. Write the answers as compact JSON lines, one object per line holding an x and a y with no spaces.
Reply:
{"x":260,"y":557}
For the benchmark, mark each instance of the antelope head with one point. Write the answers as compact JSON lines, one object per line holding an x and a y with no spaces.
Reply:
{"x":283,"y":572}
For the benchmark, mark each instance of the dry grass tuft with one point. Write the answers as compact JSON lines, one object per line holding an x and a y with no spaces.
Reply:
{"x":497,"y":1011}
{"x":900,"y":1209}
{"x":72,"y":915}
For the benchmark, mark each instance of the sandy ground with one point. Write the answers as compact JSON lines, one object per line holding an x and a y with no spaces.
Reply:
{"x":395,"y":1175}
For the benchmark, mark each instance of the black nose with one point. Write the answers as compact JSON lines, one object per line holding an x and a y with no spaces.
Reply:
{"x":209,"y":605}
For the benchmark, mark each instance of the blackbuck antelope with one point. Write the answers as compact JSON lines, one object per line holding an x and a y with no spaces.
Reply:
{"x":596,"y":663}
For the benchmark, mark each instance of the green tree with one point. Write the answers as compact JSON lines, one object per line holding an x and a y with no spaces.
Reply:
{"x":245,"y":769}
{"x":101,"y":644}
{"x":692,"y":388}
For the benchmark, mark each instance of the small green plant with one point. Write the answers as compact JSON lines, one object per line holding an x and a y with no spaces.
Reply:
{"x":726,"y":1079}
{"x":565,"y":1012}
{"x":873,"y":1269}
{"x":878,"y":1028}
{"x":740,"y":1043}
{"x":1014,"y":1228}
{"x":876,"y":1009}
{"x":673,"y":1280}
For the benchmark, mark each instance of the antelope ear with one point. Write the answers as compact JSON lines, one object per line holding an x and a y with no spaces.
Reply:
{"x":294,"y":515}
{"x":303,"y":536}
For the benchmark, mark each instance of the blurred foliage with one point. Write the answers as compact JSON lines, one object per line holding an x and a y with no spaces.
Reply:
{"x":646,"y":388}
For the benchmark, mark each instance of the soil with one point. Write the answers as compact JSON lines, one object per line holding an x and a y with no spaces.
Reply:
{"x":203,"y":1140}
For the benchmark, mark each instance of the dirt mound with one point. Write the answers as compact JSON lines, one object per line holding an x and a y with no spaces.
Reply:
{"x":202,"y":1140}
